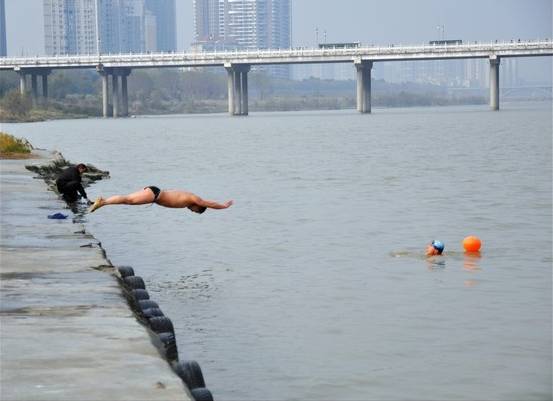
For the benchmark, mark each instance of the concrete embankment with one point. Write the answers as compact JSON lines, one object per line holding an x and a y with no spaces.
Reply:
{"x":67,"y":331}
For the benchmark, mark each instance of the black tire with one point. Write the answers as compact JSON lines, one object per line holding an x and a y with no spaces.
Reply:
{"x":201,"y":394}
{"x":190,"y":373}
{"x":134,"y":282}
{"x":147,"y":304}
{"x":125,"y":271}
{"x":161,"y":324}
{"x":152,"y":312}
{"x":140,"y":294}
{"x":169,"y":346}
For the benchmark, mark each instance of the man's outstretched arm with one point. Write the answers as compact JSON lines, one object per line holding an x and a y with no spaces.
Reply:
{"x":212,"y":204}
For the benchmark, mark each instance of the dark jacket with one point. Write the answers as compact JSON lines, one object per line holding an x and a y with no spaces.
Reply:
{"x":70,"y":180}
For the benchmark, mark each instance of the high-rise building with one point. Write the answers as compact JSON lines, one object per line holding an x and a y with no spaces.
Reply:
{"x":3,"y":47}
{"x":160,"y":21}
{"x":207,"y":16}
{"x":243,"y":24}
{"x":68,"y":27}
{"x":124,"y":25}
{"x":279,"y":29}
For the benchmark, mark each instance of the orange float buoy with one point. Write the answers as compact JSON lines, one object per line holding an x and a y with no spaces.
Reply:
{"x":472,"y":243}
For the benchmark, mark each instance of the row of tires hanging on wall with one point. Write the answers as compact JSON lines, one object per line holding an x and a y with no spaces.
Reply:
{"x":150,"y":314}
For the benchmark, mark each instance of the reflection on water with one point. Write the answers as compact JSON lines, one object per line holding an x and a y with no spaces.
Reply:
{"x":79,"y":210}
{"x":470,"y":283}
{"x":191,"y":286}
{"x":297,"y":291}
{"x":471,"y":261}
{"x":435,"y":262}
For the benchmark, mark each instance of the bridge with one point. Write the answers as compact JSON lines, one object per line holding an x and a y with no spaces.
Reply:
{"x":238,"y":63}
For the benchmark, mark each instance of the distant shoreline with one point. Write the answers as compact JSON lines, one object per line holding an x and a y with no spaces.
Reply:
{"x":41,"y":115}
{"x":278,"y":104}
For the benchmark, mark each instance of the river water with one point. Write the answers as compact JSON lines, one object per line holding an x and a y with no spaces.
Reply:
{"x":313,"y":285}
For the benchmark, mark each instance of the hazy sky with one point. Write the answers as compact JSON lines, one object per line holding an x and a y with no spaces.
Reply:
{"x":368,"y":21}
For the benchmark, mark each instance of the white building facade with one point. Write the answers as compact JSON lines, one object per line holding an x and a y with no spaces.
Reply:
{"x":243,"y":24}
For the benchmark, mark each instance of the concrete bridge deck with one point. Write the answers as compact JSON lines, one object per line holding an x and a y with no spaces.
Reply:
{"x":67,"y":332}
{"x":283,"y":56}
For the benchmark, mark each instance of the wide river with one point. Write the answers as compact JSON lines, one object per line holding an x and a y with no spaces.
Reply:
{"x":314,"y":285}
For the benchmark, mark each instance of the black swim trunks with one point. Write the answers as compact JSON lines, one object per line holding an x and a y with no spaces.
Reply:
{"x":156,"y":192}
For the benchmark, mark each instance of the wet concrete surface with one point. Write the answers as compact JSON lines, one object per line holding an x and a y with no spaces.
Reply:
{"x":67,"y":332}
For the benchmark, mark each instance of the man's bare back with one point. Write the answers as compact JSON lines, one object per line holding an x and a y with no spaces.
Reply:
{"x":176,"y":199}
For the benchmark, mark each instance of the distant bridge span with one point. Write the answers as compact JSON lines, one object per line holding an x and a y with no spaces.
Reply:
{"x":238,"y":64}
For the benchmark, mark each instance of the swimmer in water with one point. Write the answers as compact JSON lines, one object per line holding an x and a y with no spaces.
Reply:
{"x":435,"y":248}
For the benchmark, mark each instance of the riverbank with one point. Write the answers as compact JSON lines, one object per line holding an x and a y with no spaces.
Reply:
{"x":67,"y":330}
{"x":275,"y":104}
{"x":41,"y":114}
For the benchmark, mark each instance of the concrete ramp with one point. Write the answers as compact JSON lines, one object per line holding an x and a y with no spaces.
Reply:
{"x":67,"y":332}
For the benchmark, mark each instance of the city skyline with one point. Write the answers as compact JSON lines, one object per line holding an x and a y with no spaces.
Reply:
{"x":124,"y":26}
{"x":369,"y":22}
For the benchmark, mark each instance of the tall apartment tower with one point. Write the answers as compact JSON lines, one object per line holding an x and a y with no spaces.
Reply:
{"x":121,"y":26}
{"x":243,"y":24}
{"x":161,"y":25}
{"x":3,"y":46}
{"x":125,"y":26}
{"x":279,"y":29}
{"x":206,"y":22}
{"x":68,"y":29}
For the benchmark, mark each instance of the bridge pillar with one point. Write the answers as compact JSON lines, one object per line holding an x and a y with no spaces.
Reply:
{"x":44,"y":75}
{"x":124,"y":96}
{"x":244,"y":89}
{"x":124,"y":73}
{"x":494,"y":82}
{"x":239,"y":103}
{"x":34,"y":88}
{"x":237,"y":93}
{"x":104,"y":73}
{"x":237,"y":83}
{"x":22,"y":82}
{"x":115,"y":94}
{"x":105,"y":95}
{"x":364,"y":68}
{"x":230,"y":88}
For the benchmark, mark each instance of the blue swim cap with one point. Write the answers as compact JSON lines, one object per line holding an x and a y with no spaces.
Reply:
{"x":438,"y":245}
